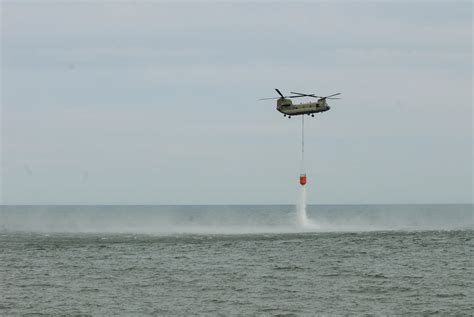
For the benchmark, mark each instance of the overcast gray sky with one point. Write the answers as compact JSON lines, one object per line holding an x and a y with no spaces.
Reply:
{"x":155,"y":103}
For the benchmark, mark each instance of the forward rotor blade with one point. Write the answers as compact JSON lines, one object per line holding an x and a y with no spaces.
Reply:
{"x":294,"y":96}
{"x":314,"y":96}
{"x":281,"y":97}
{"x":332,"y":95}
{"x":279,"y":93}
{"x":269,"y":98}
{"x":306,"y":95}
{"x":298,"y":93}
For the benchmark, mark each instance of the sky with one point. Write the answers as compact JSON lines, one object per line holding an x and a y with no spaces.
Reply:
{"x":156,"y":102}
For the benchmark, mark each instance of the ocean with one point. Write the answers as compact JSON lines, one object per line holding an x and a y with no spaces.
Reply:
{"x":236,"y":260}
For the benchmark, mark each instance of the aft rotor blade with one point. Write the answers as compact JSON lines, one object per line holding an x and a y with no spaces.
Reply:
{"x":279,"y":93}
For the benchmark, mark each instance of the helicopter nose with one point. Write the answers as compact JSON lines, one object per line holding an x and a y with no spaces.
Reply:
{"x":329,"y":107}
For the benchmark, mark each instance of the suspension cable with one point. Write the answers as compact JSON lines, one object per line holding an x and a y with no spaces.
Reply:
{"x":302,"y":144}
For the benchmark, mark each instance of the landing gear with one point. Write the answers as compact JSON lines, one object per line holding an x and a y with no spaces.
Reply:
{"x":312,"y":115}
{"x":289,"y":117}
{"x":284,"y":115}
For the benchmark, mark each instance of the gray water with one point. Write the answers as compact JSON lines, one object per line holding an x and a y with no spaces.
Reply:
{"x":236,"y":260}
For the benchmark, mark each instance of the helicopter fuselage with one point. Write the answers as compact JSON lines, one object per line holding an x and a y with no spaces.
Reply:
{"x":286,"y":107}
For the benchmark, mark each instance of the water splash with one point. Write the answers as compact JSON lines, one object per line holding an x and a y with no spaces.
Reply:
{"x":244,"y":219}
{"x":301,"y":214}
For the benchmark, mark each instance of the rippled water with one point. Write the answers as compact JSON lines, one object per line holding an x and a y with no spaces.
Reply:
{"x":416,"y":271}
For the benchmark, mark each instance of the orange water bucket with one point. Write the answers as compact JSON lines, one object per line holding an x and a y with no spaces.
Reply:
{"x":303,"y":179}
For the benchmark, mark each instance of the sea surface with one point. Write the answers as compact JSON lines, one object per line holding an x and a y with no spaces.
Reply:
{"x":236,"y":260}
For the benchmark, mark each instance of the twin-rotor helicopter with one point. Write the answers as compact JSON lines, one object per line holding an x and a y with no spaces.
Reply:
{"x":286,"y":106}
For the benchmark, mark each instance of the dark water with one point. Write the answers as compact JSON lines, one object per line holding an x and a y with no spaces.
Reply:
{"x":99,"y":261}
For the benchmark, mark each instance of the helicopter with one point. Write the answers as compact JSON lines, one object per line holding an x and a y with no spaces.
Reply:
{"x":286,"y":106}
